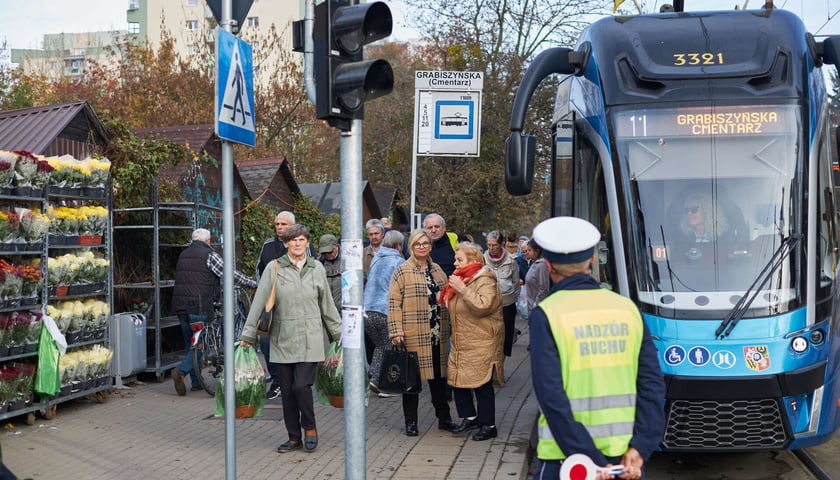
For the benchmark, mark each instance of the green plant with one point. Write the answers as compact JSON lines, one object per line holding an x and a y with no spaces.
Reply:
{"x":329,"y":374}
{"x":315,"y":220}
{"x":256,"y":226}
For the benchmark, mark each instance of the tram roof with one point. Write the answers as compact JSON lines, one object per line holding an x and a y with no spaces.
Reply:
{"x":757,"y":52}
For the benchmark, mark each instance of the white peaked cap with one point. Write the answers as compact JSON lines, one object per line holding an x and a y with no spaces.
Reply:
{"x":566,"y":239}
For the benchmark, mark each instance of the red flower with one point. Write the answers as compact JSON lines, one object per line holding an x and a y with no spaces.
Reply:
{"x":25,"y":154}
{"x":44,"y":166}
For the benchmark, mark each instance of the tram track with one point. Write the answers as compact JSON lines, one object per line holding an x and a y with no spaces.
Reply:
{"x":811,"y":464}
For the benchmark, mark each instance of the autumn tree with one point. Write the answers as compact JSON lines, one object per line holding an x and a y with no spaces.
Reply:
{"x":498,"y":39}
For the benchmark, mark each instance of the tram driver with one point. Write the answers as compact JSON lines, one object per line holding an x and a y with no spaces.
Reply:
{"x":703,"y":221}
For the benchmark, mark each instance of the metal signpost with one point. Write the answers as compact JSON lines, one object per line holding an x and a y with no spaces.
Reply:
{"x":234,"y":110}
{"x":447,"y":119}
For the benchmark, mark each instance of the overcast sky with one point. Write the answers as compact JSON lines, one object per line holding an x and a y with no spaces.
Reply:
{"x":23,"y":23}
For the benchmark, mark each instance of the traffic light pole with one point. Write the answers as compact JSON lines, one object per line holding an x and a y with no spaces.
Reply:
{"x":332,"y":47}
{"x":350,"y":144}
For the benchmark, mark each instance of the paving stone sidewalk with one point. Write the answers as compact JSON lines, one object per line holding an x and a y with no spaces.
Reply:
{"x":148,"y":432}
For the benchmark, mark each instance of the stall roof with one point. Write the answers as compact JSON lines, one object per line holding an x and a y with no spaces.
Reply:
{"x":259,"y":174}
{"x":197,"y":137}
{"x":35,"y":129}
{"x":327,"y":198}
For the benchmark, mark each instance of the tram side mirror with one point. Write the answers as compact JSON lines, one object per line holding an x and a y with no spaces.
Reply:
{"x":829,"y":49}
{"x":520,"y":151}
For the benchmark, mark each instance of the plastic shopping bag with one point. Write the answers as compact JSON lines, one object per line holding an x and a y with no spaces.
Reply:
{"x":249,"y":386}
{"x":46,"y":375}
{"x":522,"y":303}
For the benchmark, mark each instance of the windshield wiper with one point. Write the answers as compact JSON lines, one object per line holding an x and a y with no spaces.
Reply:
{"x":743,"y":304}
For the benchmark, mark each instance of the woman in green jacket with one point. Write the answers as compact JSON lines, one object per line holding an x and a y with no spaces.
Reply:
{"x":303,"y":307}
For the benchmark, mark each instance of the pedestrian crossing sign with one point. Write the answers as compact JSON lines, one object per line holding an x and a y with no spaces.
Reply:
{"x":234,"y":89}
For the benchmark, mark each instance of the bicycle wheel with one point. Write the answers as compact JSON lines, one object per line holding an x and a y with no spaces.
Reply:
{"x":208,"y":358}
{"x":239,"y":317}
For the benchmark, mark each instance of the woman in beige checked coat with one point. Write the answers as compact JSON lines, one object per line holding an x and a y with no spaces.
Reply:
{"x":416,"y":317}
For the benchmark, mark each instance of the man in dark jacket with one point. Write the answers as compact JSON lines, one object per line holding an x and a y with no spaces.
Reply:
{"x":443,"y":242}
{"x":331,"y":259}
{"x":273,"y":248}
{"x":197,"y":286}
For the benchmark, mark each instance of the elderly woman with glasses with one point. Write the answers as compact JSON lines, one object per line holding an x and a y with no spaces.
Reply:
{"x":416,"y":318}
{"x":475,"y":307}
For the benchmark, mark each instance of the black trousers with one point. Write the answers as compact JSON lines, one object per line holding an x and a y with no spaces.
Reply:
{"x":485,"y":397}
{"x":509,"y":316}
{"x":296,"y":381}
{"x":437,"y":389}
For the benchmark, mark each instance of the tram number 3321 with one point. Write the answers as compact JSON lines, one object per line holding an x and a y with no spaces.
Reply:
{"x":707,"y":58}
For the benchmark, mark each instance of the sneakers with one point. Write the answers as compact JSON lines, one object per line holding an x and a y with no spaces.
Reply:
{"x":273,"y":392}
{"x":178,"y":381}
{"x":387,"y":395}
{"x":374,"y":388}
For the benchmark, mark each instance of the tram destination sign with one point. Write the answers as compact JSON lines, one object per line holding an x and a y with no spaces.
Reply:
{"x":447,"y":114}
{"x":750,"y":120}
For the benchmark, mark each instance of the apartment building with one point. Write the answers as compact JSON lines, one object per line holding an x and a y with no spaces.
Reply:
{"x":189,"y":22}
{"x":66,"y":54}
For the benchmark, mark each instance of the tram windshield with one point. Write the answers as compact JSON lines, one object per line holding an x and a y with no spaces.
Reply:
{"x":715,"y":200}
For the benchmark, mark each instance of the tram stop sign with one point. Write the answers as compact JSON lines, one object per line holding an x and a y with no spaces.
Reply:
{"x":239,"y":11}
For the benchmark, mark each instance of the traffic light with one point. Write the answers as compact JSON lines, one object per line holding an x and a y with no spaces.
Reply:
{"x":343,"y":80}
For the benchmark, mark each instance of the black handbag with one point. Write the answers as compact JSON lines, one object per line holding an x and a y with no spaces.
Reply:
{"x":400,"y":371}
{"x":264,"y":323}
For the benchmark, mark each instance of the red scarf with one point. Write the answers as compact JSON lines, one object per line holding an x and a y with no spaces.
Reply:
{"x":465,"y":273}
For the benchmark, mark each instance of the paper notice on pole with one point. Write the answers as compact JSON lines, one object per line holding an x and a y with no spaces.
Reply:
{"x":351,"y":326}
{"x":351,"y":252}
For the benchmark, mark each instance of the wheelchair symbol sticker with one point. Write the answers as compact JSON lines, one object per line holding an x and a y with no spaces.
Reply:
{"x":674,"y":355}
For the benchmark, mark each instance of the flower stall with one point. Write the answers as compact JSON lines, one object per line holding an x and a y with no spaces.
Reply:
{"x":54,"y":259}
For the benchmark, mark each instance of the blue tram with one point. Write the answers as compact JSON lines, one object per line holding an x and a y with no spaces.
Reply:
{"x":699,"y":144}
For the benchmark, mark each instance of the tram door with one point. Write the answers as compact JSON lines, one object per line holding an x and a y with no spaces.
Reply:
{"x":580,"y":190}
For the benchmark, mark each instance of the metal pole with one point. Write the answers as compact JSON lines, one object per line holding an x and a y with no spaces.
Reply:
{"x":413,"y":222}
{"x":228,"y":250}
{"x":351,"y":309}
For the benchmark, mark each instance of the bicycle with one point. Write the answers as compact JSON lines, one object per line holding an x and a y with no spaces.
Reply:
{"x":208,"y":342}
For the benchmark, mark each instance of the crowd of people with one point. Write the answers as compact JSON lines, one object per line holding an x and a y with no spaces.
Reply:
{"x":454,"y":304}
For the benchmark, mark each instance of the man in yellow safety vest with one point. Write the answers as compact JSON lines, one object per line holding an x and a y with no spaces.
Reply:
{"x":595,"y":368}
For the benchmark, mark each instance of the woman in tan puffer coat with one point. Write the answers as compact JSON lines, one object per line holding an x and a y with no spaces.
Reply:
{"x":475,"y":309}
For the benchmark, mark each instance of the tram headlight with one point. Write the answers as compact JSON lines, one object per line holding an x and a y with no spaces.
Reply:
{"x":799,"y":344}
{"x":817,"y":337}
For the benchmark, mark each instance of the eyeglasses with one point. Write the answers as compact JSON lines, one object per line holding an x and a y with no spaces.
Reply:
{"x":423,"y":245}
{"x":692,"y":210}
